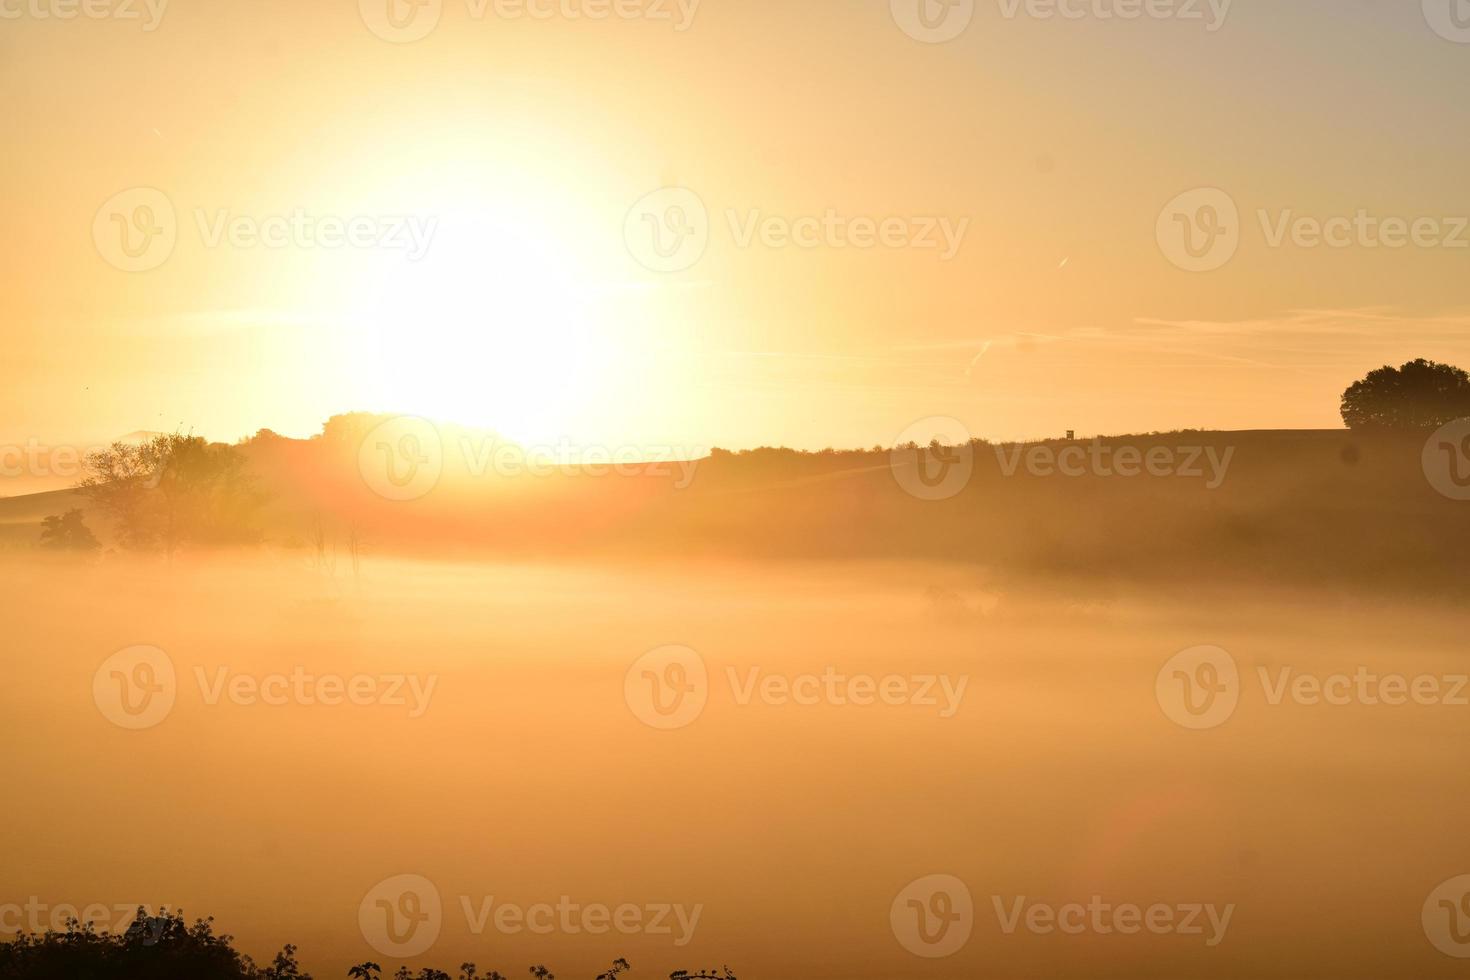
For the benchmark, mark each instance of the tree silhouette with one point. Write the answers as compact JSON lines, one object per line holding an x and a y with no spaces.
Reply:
{"x":467,"y":971}
{"x":164,"y":947}
{"x":172,"y":490}
{"x":1420,"y":395}
{"x":67,"y":533}
{"x":161,"y":947}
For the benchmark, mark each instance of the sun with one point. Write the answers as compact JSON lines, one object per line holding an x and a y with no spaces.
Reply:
{"x":498,"y":325}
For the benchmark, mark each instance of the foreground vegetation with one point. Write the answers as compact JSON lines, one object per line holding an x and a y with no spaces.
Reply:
{"x":165,"y":947}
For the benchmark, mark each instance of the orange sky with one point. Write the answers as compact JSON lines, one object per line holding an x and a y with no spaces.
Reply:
{"x":522,"y":144}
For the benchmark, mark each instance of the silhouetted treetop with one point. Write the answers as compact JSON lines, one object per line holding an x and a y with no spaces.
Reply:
{"x":1420,"y":395}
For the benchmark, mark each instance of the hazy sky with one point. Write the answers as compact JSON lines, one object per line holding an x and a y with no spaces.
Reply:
{"x":495,"y":176}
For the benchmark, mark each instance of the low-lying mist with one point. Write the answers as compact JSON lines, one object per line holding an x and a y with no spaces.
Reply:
{"x":758,"y":757}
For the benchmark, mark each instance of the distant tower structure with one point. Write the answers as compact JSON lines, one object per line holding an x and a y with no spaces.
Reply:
{"x":1071,"y":434}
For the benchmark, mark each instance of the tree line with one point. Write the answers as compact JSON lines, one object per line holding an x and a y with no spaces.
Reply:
{"x":175,"y":490}
{"x":166,"y":947}
{"x":164,"y":493}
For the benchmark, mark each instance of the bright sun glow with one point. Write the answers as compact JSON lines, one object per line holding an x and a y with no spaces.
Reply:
{"x":496,"y":326}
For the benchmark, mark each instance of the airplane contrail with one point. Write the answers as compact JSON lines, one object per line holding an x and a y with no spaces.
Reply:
{"x":970,"y":371}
